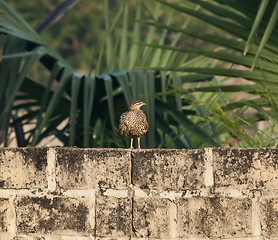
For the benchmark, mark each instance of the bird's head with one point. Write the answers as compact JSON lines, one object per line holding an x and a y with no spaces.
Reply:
{"x":136,"y":105}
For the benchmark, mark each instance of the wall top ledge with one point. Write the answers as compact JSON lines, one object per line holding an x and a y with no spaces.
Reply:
{"x":142,"y":149}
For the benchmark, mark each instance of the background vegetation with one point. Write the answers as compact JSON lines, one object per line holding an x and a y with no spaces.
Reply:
{"x":186,"y":59}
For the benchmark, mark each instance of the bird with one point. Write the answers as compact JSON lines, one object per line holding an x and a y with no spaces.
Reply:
{"x":133,"y":123}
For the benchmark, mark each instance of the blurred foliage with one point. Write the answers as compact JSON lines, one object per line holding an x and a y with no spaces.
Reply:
{"x":83,"y":110}
{"x":183,"y":64}
{"x":75,"y":33}
{"x":247,"y":49}
{"x":81,"y":30}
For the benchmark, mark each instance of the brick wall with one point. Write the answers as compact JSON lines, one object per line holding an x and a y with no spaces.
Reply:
{"x":84,"y":194}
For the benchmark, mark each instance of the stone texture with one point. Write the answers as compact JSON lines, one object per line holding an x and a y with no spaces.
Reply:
{"x":52,"y":237}
{"x":168,"y":169}
{"x":269,"y":217}
{"x":152,"y":217}
{"x":113,"y":217}
{"x":32,"y":238}
{"x":246,"y":168}
{"x":170,"y":199}
{"x":4,"y":208}
{"x":214,"y":217}
{"x":23,"y":168}
{"x":115,"y":238}
{"x":92,"y":168}
{"x":51,"y":214}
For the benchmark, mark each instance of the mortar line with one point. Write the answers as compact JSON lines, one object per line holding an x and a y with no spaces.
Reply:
{"x":132,"y":229}
{"x":130,"y":168}
{"x":208,"y":175}
{"x":256,"y":221}
{"x":95,"y":227}
{"x":122,"y":193}
{"x":51,"y":169}
{"x":12,"y":228}
{"x":173,"y":217}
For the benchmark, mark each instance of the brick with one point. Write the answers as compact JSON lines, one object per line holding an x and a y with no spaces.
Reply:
{"x":246,"y":168}
{"x":168,"y":169}
{"x":213,"y":217}
{"x":32,"y":238}
{"x":269,"y":217}
{"x":114,"y":238}
{"x":51,"y":214}
{"x":151,"y":217}
{"x":51,"y":237}
{"x":23,"y":168}
{"x":113,"y":217}
{"x":4,"y":209}
{"x":92,"y":168}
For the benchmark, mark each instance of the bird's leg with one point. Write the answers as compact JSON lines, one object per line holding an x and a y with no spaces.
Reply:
{"x":138,"y":142}
{"x":131,"y":143}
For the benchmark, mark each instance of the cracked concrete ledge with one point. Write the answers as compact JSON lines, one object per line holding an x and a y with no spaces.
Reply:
{"x":81,"y":194}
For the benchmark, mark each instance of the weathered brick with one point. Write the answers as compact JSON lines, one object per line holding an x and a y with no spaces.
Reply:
{"x":246,"y":168}
{"x":51,"y":237}
{"x":214,"y":217}
{"x":116,"y":238}
{"x":23,"y":168}
{"x":113,"y":217}
{"x":33,"y":238}
{"x":269,"y":217}
{"x":51,"y":214}
{"x":4,"y":209}
{"x":92,"y":168}
{"x":168,"y":169}
{"x":151,"y":217}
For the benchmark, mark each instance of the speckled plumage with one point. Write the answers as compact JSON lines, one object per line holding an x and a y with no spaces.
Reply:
{"x":134,"y":123}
